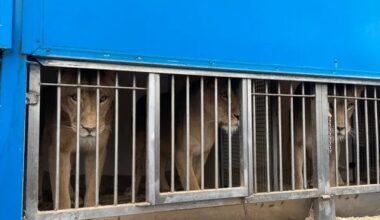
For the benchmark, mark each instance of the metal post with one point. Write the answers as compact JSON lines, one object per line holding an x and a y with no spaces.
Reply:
{"x":250,"y":137}
{"x":153,"y":140}
{"x":31,"y":194}
{"x":324,"y":206}
{"x":275,"y":142}
{"x":245,"y":95}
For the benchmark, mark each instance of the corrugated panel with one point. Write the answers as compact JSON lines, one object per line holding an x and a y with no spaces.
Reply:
{"x":260,"y":137}
{"x":339,"y":38}
{"x":6,"y":7}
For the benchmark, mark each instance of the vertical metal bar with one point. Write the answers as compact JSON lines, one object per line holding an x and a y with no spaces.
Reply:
{"x":357,"y":140}
{"x":376,"y":135}
{"x":134,"y":139}
{"x":323,"y":208}
{"x":97,"y":140}
{"x":116,"y":162}
{"x":267,"y":135}
{"x":153,"y":142}
{"x":254,"y":137}
{"x":292,"y":137}
{"x":274,"y":143}
{"x":279,"y":111}
{"x":244,"y":137}
{"x":366,"y":134}
{"x":172,"y":132}
{"x":216,"y":133}
{"x":202,"y":134}
{"x":229,"y":136}
{"x":31,"y":195}
{"x":77,"y":161}
{"x":304,"y":137}
{"x":346,"y":136}
{"x":58,"y":139}
{"x":187,"y":133}
{"x":336,"y":146}
{"x":249,"y":137}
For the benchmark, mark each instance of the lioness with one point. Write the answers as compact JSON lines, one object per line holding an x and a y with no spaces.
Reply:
{"x":310,"y":137}
{"x":68,"y":129}
{"x":180,"y":131}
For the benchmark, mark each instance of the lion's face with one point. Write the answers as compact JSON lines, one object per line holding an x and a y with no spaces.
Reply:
{"x":223,"y":104}
{"x":342,"y":129}
{"x":88,"y":118}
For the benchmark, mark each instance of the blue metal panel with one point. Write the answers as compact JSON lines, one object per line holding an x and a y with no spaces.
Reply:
{"x":12,"y":120}
{"x":6,"y":7}
{"x":324,"y":37}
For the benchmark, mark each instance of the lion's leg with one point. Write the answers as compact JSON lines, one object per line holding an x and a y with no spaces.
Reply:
{"x":332,"y":169}
{"x":140,"y":161}
{"x":164,"y":185}
{"x":64,"y":178}
{"x":298,"y":166}
{"x":340,"y":179}
{"x":198,"y":166}
{"x":90,"y":160}
{"x":181,"y":164}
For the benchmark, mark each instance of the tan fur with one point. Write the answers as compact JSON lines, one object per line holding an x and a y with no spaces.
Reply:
{"x":310,"y":136}
{"x":195,"y":128}
{"x":87,"y":133}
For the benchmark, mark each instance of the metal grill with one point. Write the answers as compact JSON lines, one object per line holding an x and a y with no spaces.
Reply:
{"x":270,"y":139}
{"x":358,"y":159}
{"x":195,"y":138}
{"x":97,"y":114}
{"x":224,"y":159}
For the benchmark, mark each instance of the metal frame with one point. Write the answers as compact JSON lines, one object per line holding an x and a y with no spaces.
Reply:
{"x":32,"y":162}
{"x":206,"y":72}
{"x":324,"y":205}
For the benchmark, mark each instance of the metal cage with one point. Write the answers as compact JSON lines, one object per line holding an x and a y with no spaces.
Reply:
{"x":267,"y":159}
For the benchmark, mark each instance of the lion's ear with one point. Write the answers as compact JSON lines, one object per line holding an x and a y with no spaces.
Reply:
{"x":109,"y":76}
{"x":359,"y":90}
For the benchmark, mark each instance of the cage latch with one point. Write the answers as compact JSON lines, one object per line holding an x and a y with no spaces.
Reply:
{"x":32,"y":98}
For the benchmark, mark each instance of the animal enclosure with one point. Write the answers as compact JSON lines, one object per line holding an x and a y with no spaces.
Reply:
{"x":108,"y":108}
{"x":142,"y":140}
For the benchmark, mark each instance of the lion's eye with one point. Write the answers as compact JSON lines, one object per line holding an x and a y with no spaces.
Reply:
{"x":103,"y":98}
{"x":74,"y":97}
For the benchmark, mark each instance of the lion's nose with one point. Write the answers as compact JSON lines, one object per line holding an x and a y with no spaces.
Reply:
{"x":341,"y":129}
{"x":89,"y":129}
{"x":237,"y":116}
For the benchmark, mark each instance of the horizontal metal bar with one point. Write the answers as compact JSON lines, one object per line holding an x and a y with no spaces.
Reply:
{"x":282,"y":95}
{"x":143,"y":208}
{"x":353,"y":97}
{"x":349,"y":190}
{"x":206,"y":194}
{"x":131,"y":209}
{"x":270,"y":75}
{"x":92,"y":86}
{"x":284,"y":195}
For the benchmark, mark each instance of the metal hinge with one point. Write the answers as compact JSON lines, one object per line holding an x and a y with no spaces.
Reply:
{"x":326,"y":197}
{"x":32,"y":98}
